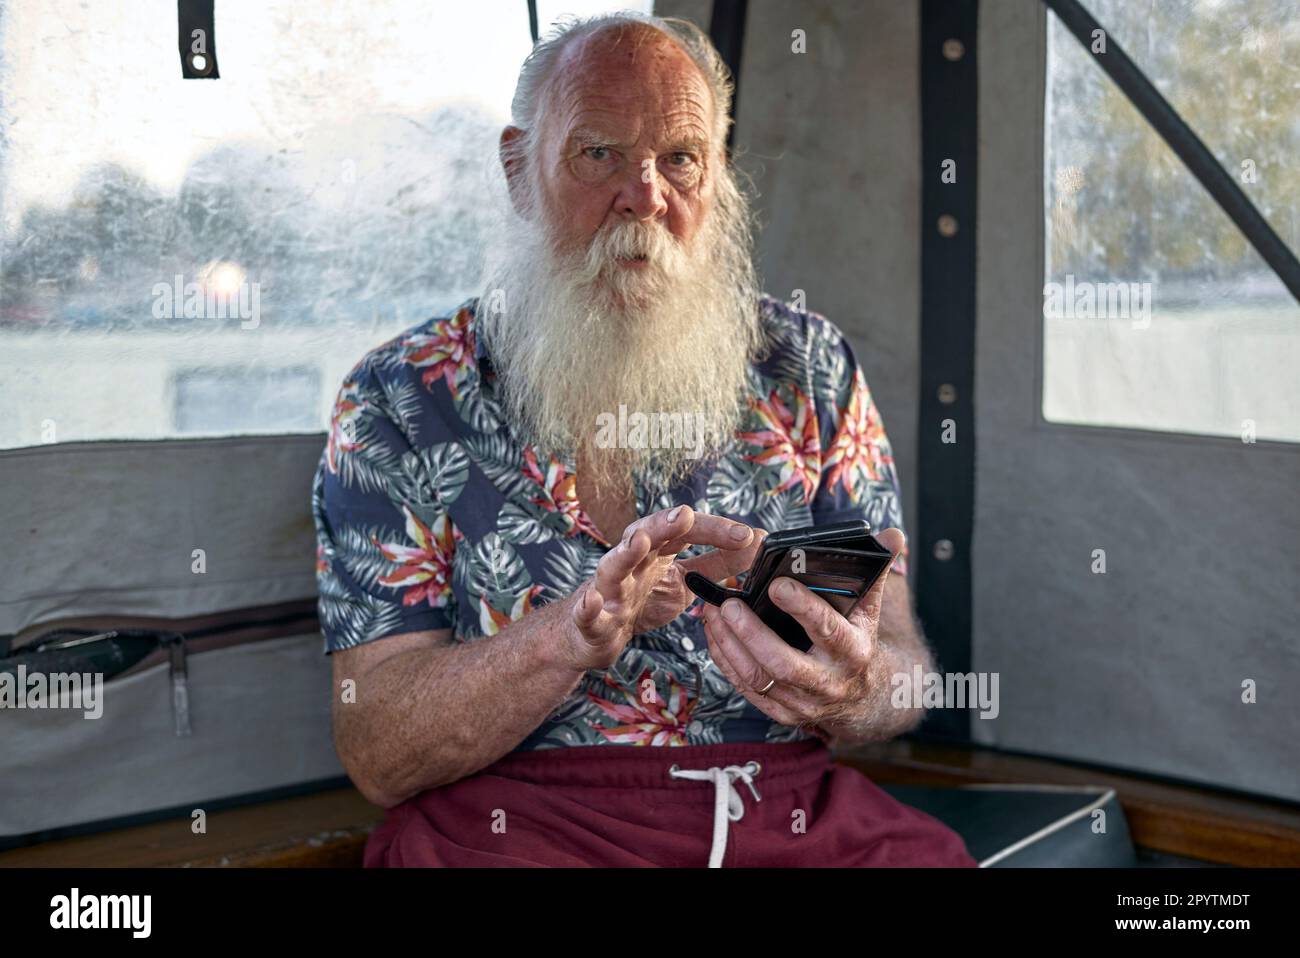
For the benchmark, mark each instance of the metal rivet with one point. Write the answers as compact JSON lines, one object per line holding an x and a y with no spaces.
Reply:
{"x":947,"y":225}
{"x":943,"y":550}
{"x":954,"y":49}
{"x":947,"y":394}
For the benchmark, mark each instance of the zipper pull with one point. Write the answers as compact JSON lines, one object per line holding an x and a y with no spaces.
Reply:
{"x":180,"y":684}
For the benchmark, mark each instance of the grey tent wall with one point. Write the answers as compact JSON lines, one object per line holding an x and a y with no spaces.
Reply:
{"x":1141,"y":667}
{"x":832,"y":140}
{"x":111,"y":528}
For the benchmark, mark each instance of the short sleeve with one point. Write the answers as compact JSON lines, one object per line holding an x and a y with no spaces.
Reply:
{"x":384,"y":544}
{"x":858,"y":478}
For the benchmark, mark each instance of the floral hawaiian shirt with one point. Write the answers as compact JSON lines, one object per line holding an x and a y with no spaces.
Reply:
{"x":431,"y":513}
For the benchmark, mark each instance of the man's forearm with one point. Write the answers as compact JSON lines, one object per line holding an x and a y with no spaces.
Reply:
{"x":427,"y":717}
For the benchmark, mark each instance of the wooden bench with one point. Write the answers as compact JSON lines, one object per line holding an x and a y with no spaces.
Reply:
{"x":323,"y":830}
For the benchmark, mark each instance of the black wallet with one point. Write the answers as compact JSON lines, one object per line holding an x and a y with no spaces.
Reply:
{"x":838,"y":562}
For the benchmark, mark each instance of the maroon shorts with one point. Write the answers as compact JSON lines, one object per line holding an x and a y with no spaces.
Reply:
{"x":620,"y":805}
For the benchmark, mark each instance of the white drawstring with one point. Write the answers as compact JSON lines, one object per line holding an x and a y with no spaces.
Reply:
{"x":727,"y":804}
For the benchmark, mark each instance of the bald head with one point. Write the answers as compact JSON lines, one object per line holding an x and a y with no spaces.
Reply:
{"x":557,"y":51}
{"x":630,"y":70}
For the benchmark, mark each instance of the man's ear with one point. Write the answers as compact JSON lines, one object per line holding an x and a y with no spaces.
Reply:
{"x":512,"y":163}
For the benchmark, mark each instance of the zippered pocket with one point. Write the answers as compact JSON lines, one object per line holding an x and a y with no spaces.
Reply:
{"x":120,"y":647}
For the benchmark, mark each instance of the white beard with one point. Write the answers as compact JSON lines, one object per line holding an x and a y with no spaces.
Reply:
{"x":576,"y":338}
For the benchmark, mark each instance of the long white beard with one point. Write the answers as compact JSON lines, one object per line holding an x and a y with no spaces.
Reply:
{"x":578,"y":339}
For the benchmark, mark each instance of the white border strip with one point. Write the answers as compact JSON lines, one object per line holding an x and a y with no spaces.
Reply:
{"x":1056,"y":826}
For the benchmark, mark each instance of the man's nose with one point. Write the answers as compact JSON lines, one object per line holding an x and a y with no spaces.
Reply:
{"x":641,"y":194}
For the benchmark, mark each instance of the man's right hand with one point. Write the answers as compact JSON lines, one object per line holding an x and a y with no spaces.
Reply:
{"x":638,"y":585}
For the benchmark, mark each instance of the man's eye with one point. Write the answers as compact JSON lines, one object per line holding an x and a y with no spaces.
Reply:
{"x":598,"y":152}
{"x":680,"y":159}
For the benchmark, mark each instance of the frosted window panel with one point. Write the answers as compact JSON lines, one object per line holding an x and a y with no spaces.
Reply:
{"x":267,"y":227}
{"x":1158,"y":314}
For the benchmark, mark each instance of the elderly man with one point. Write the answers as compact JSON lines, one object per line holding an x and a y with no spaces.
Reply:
{"x":512,"y":494}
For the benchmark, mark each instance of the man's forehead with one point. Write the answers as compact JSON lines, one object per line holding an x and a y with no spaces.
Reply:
{"x":628,"y":48}
{"x":608,"y":78}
